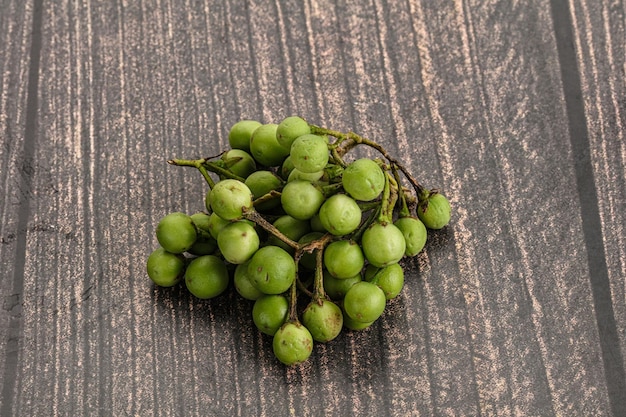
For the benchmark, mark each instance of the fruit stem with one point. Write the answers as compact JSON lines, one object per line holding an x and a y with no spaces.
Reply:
{"x":341,"y":149}
{"x":383,"y":216}
{"x":404,"y":209}
{"x":356,"y":235}
{"x":293,"y":299}
{"x":213,"y":167}
{"x":196,"y":163}
{"x":256,"y":217}
{"x":266,"y":197}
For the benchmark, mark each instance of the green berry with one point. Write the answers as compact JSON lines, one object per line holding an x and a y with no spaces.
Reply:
{"x":230,"y":198}
{"x":240,"y":134}
{"x":434,"y":212}
{"x":383,"y":244}
{"x":261,"y":183}
{"x":390,"y":279}
{"x":237,"y":242}
{"x":309,"y":153}
{"x":292,"y":343}
{"x":364,"y":302}
{"x":244,"y":287}
{"x":323,"y":319}
{"x":414,"y":232}
{"x":343,"y":258}
{"x":176,"y":232}
{"x":272,"y":270}
{"x":336,"y":288}
{"x":239,"y":162}
{"x":363,"y":179}
{"x":340,"y":215}
{"x":301,"y":199}
{"x":206,"y":277}
{"x":164,"y":268}
{"x":265,"y":148}
{"x":269,"y":313}
{"x":289,"y":129}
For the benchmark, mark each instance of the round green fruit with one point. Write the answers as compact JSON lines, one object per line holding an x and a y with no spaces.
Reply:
{"x":292,"y":343}
{"x":164,"y":268}
{"x":309,"y":153}
{"x":269,"y":313}
{"x":340,"y":215}
{"x":414,"y":232}
{"x":206,"y":277}
{"x":336,"y":288}
{"x":244,"y":287}
{"x":289,"y":129}
{"x":230,"y":198}
{"x":390,"y":279}
{"x":383,"y":244}
{"x":272,"y":270}
{"x":343,"y":258}
{"x":240,"y":134}
{"x":265,"y":148}
{"x":434,"y":212}
{"x":323,"y":319}
{"x":237,"y":242}
{"x":301,"y":199}
{"x":176,"y":232}
{"x":363,"y":179}
{"x":239,"y":162}
{"x":364,"y":302}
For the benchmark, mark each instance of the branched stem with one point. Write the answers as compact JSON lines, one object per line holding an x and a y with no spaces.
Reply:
{"x":196,"y":163}
{"x":256,"y":217}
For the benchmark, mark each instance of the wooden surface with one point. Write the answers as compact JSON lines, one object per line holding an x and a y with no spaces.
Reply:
{"x":516,"y":110}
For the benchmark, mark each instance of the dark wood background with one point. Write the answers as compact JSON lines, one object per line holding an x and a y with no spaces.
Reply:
{"x":515,"y":109}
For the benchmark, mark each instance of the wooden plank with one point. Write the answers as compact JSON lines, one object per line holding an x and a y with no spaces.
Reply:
{"x":498,"y":316}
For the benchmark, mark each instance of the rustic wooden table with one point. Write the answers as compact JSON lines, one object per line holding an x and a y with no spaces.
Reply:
{"x":516,"y":110}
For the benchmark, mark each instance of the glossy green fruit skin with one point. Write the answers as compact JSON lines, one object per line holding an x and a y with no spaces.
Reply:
{"x":261,"y":183}
{"x":176,"y":232}
{"x":301,"y":199}
{"x":237,"y":242}
{"x":324,"y":321}
{"x":272,"y":270}
{"x":206,"y":277}
{"x":216,"y":224}
{"x":316,"y":177}
{"x":291,"y":227}
{"x":290,"y":128}
{"x":436,"y":214}
{"x":240,"y":134}
{"x":363,"y":179}
{"x":243,"y":286}
{"x":340,"y":215}
{"x":383,"y":244}
{"x":265,"y":148}
{"x":364,"y":302}
{"x":164,"y":268}
{"x":269,"y":313}
{"x":239,"y":162}
{"x":343,"y":258}
{"x":292,"y":343}
{"x":309,"y":153}
{"x":286,"y":168}
{"x":229,"y":198}
{"x":415,"y":234}
{"x":390,"y":279}
{"x":354,"y":325}
{"x":336,"y":288}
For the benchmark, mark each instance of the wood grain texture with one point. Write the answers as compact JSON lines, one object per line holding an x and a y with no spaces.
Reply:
{"x":501,"y":314}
